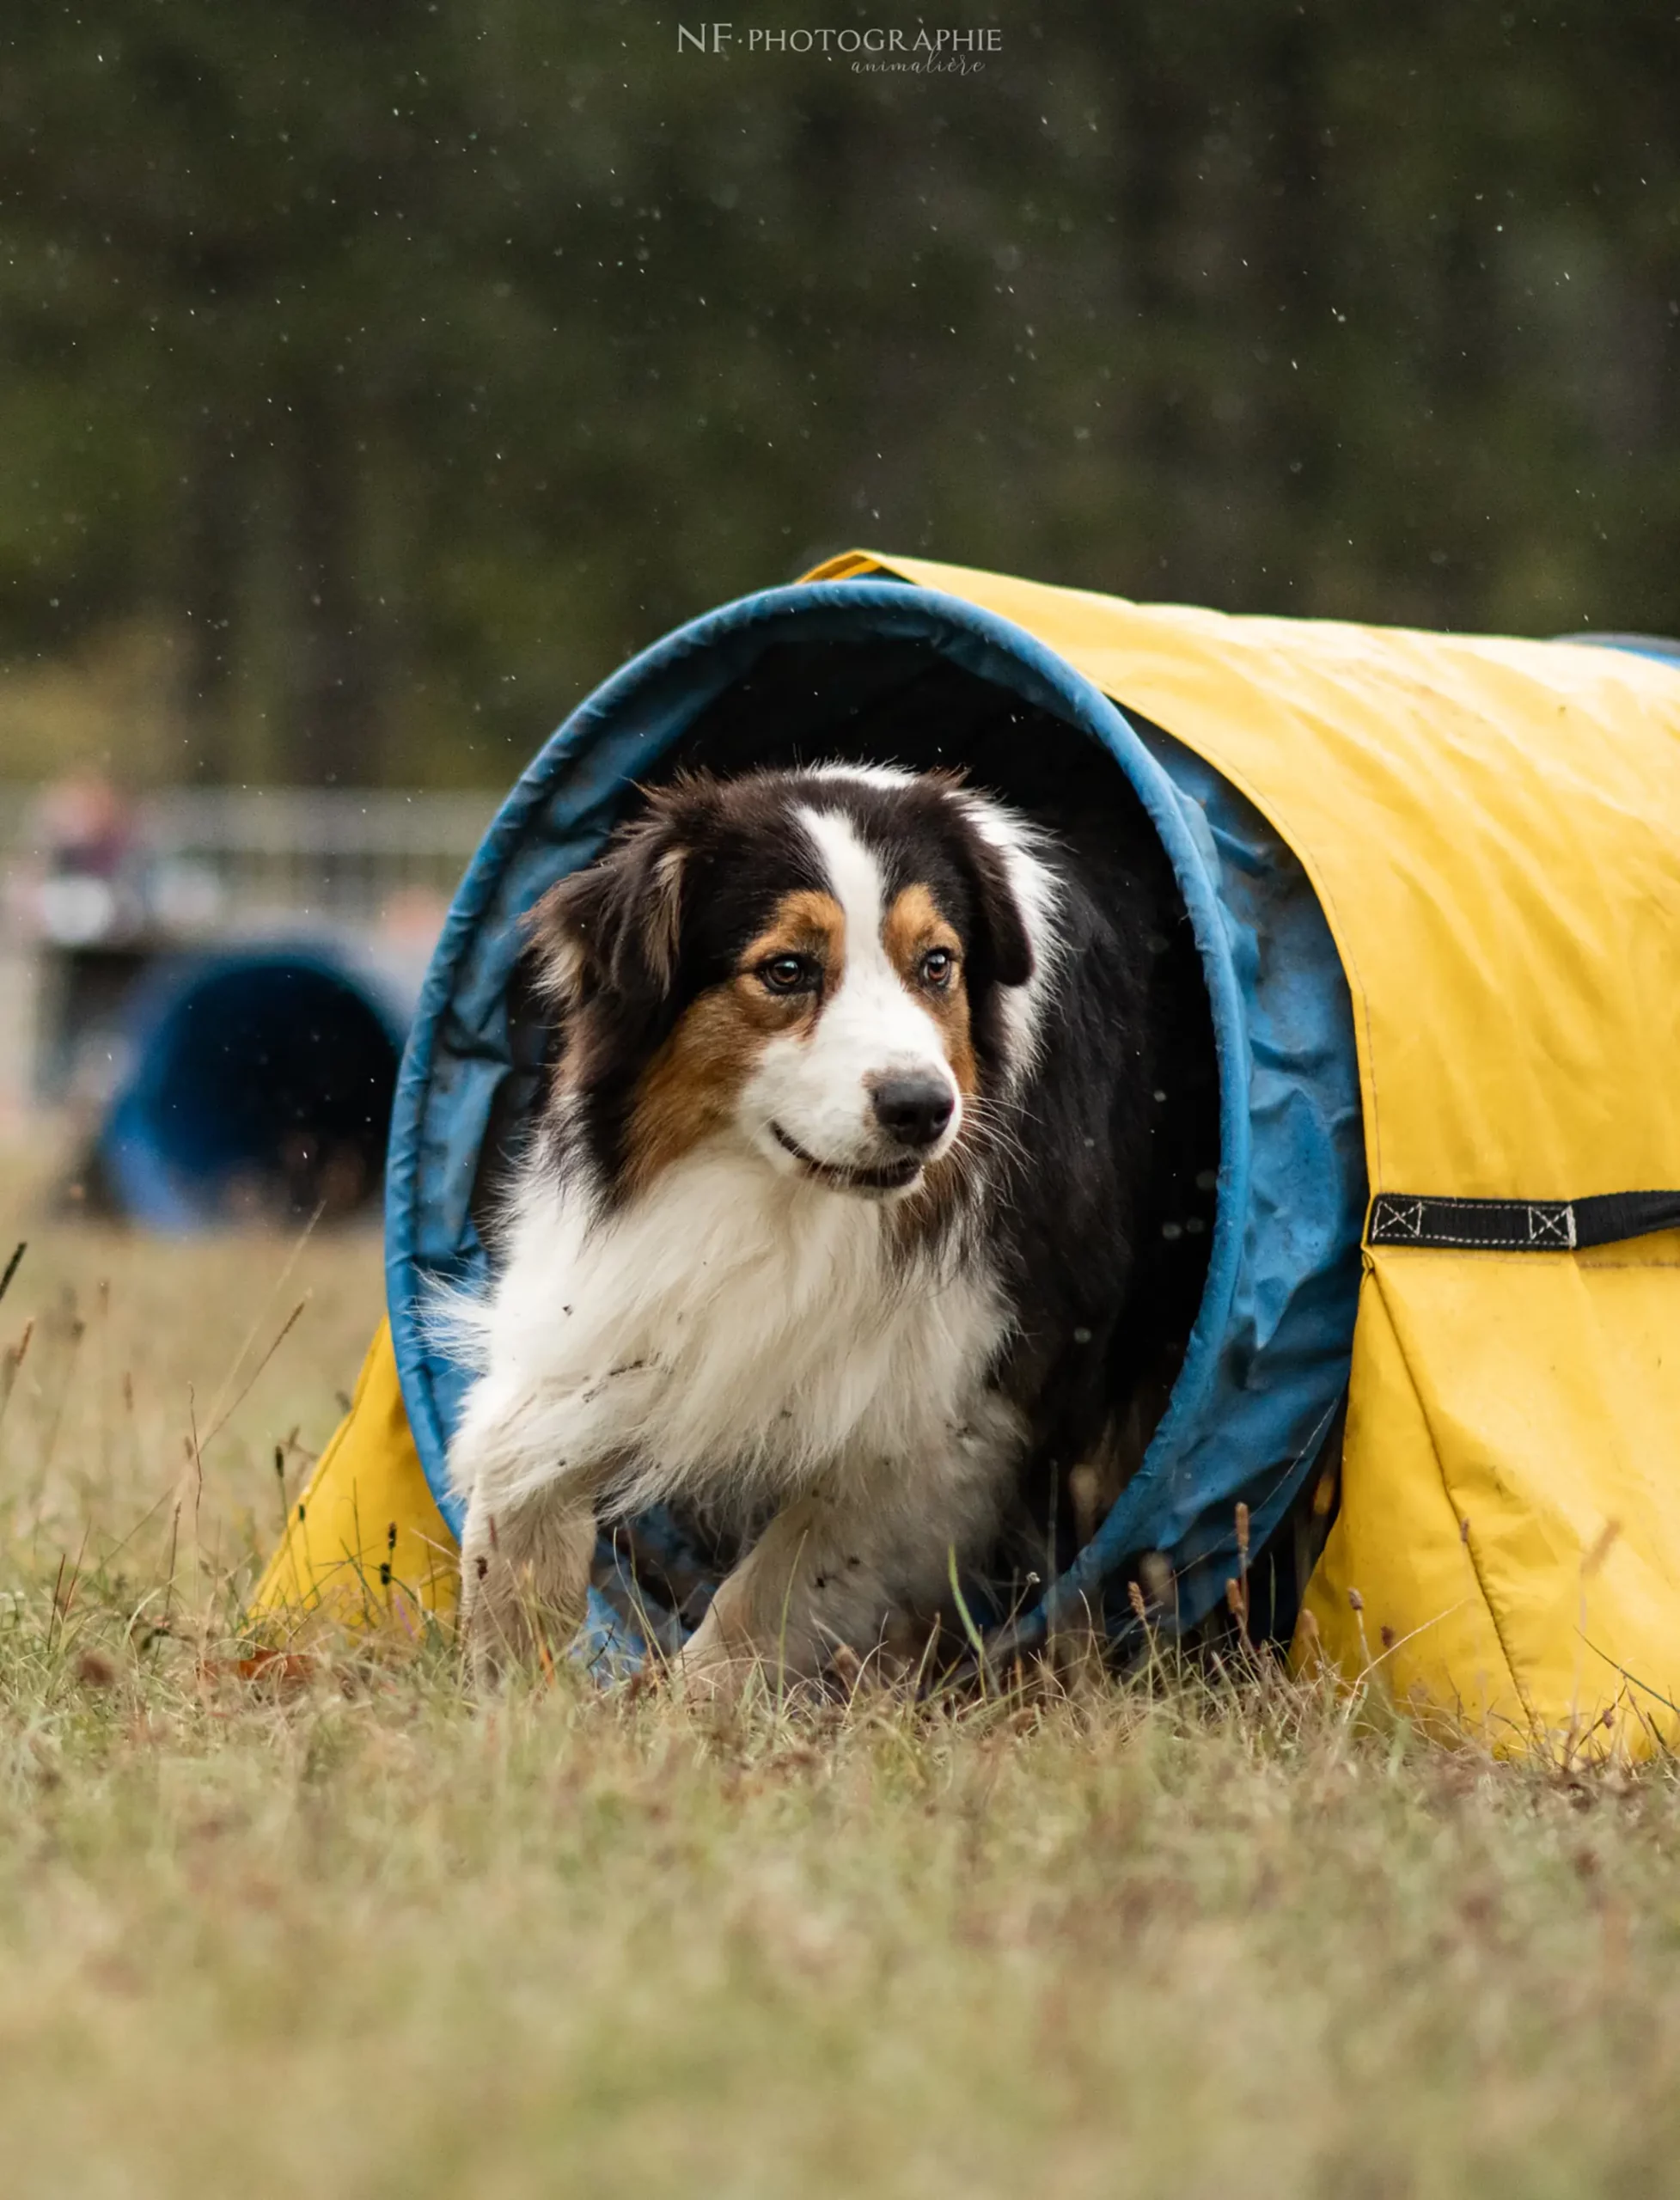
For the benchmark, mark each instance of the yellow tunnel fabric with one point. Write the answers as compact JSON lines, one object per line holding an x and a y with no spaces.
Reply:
{"x":1492,"y":828}
{"x":365,"y":1544}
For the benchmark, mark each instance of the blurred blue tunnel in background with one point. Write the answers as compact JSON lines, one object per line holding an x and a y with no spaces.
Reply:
{"x":259,"y":1086}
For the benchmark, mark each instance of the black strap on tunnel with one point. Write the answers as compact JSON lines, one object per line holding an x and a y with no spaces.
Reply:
{"x":1520,"y":1225}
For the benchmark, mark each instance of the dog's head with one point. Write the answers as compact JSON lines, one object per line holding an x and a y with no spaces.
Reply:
{"x":829,"y":969}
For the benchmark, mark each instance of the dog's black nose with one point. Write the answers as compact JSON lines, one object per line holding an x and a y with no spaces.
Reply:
{"x":915,"y":1111}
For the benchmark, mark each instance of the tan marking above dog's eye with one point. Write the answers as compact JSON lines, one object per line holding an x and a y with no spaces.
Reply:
{"x":800,"y":949}
{"x":919,"y":940}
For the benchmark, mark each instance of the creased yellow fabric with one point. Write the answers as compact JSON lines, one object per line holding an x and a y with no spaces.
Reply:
{"x":365,"y":1542}
{"x":1492,"y":827}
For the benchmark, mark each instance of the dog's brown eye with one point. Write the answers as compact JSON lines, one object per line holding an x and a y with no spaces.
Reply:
{"x":937,"y":964}
{"x":788,"y":974}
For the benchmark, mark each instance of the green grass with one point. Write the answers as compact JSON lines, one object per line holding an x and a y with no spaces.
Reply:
{"x":1197,"y":1935}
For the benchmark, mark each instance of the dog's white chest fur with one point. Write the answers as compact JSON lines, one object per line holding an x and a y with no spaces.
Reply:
{"x":738,"y":1339}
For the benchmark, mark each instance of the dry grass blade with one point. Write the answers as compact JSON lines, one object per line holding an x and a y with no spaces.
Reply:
{"x":295,"y":1253}
{"x":11,"y":1362}
{"x":227,"y":1414}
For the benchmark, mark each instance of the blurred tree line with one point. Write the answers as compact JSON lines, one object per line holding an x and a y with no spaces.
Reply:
{"x":408,"y":363}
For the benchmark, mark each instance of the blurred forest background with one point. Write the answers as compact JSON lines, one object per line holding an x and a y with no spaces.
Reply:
{"x":375,"y":374}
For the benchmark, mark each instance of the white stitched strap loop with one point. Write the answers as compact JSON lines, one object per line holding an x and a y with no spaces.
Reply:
{"x":1474,"y":1226}
{"x":1519,"y":1225}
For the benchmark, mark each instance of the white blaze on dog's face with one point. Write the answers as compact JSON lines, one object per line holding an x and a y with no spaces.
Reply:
{"x":867,"y":1087}
{"x":826,"y":968}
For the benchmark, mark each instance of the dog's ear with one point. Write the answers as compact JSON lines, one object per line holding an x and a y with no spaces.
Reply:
{"x":1005,"y":939}
{"x":617,"y":926}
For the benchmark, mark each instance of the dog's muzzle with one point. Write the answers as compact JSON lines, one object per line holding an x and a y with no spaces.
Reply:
{"x":892,"y":1177}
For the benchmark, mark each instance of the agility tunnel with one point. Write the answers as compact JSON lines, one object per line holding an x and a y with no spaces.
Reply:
{"x":259,"y":1083}
{"x":1432,"y":884}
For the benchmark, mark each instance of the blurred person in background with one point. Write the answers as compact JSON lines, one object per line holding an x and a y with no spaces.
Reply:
{"x":84,"y":840}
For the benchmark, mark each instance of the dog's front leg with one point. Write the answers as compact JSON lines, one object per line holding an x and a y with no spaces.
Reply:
{"x":527,"y":1541}
{"x":811,"y":1582}
{"x":524,"y":1577}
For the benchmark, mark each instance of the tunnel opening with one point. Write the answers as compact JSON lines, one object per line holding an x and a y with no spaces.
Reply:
{"x":905,"y":703}
{"x":1244,"y":1322}
{"x":260,"y":1090}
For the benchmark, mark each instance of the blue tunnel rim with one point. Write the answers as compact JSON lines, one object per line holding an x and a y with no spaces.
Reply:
{"x":994,"y":649}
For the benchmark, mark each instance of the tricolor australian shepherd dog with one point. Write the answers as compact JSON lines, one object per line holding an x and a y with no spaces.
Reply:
{"x":828,"y":1225}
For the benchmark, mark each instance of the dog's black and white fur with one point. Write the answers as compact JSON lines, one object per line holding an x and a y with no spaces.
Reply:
{"x":830,"y":1218}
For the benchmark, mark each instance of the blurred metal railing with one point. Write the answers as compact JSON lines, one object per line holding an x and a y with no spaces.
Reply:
{"x":203,"y":861}
{"x":337,"y":855}
{"x":92,"y":897}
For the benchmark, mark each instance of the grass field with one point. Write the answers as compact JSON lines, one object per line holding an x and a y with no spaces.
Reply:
{"x":1191,"y":1937}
